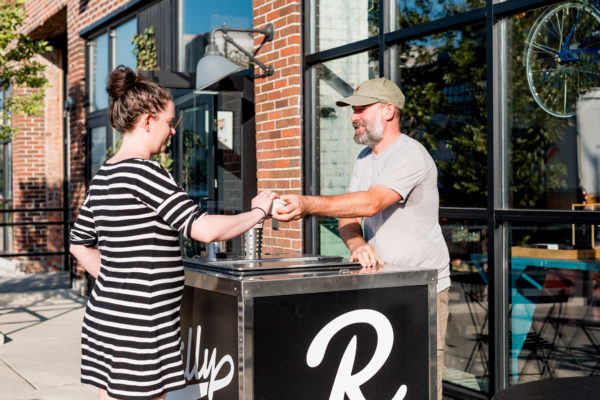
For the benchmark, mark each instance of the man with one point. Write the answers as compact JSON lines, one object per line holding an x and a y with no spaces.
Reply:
{"x":393,"y":194}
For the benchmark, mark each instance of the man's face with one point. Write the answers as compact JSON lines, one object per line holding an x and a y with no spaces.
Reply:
{"x":368,"y":124}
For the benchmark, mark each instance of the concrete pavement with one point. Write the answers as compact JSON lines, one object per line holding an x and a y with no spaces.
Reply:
{"x":41,"y":330}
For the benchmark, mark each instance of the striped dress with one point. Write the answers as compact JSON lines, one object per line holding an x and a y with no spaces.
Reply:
{"x":133,"y":213}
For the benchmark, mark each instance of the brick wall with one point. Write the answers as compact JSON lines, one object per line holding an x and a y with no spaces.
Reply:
{"x":279,"y":114}
{"x":37,"y":173}
{"x":37,"y":148}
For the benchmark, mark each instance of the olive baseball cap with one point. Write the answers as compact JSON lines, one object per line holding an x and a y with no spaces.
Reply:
{"x":378,"y":90}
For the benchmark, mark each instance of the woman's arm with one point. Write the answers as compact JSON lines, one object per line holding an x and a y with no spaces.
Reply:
{"x":212,"y":228}
{"x":89,"y":257}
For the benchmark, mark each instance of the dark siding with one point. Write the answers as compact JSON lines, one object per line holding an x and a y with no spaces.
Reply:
{"x":160,"y":15}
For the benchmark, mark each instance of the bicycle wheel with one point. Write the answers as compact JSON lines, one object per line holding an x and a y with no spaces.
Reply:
{"x":563,"y":57}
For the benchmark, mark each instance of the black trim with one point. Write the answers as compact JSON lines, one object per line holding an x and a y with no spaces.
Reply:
{"x":172,"y":80}
{"x":342,"y":51}
{"x":452,"y":391}
{"x":463,"y":212}
{"x":122,"y":12}
{"x":441,"y":25}
{"x":549,"y":216}
{"x":492,"y":231}
{"x":508,"y":8}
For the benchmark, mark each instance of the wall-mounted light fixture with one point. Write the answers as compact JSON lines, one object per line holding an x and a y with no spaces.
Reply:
{"x":213,"y":66}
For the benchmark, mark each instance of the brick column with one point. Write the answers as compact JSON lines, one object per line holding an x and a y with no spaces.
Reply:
{"x":279,"y":114}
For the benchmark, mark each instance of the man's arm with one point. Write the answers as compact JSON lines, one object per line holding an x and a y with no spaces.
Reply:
{"x":352,"y":234}
{"x":349,"y":205}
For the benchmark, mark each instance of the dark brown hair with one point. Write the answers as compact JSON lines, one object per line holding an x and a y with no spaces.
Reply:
{"x":130,"y":96}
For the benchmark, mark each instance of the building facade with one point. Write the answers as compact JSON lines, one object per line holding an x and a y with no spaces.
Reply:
{"x":507,"y":110}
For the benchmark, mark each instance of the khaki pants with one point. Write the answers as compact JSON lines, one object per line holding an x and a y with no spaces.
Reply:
{"x":442,"y":323}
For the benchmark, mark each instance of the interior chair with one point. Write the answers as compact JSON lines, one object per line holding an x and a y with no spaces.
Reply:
{"x":577,"y":331}
{"x":549,"y":291}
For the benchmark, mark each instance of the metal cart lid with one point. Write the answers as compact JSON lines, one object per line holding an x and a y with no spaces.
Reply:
{"x":270,"y":264}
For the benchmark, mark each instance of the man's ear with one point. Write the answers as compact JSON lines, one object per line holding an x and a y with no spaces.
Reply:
{"x":389,"y":110}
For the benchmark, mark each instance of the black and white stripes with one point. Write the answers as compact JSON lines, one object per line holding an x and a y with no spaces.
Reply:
{"x":133,"y":214}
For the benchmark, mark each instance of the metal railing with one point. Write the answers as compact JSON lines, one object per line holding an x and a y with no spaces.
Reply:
{"x":8,"y":236}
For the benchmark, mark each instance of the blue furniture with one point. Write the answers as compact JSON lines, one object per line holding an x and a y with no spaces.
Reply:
{"x":523,"y":307}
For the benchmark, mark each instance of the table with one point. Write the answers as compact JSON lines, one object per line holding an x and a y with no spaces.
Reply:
{"x":579,"y":388}
{"x":523,"y":307}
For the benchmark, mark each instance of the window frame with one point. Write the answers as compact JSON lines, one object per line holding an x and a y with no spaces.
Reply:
{"x":497,"y":213}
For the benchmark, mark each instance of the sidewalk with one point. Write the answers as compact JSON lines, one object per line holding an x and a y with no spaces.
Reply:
{"x":40,"y":356}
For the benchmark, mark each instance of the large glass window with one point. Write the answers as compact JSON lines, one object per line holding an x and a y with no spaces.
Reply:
{"x":198,"y":19}
{"x":123,"y":46}
{"x":555,"y":299}
{"x":360,"y":20}
{"x":337,"y":149}
{"x":467,"y":347}
{"x":533,"y":118}
{"x":99,"y":66}
{"x":554,"y":108}
{"x":414,"y":12}
{"x":5,"y":183}
{"x":444,"y":80}
{"x":98,"y":148}
{"x":105,"y":53}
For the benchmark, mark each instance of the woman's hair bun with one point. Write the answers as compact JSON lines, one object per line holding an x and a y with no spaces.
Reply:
{"x":121,"y":81}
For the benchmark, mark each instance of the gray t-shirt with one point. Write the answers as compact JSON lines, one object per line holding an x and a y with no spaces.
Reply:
{"x":406,"y":233}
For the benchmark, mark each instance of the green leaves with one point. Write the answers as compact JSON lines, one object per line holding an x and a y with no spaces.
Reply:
{"x":144,"y":50}
{"x":18,"y":67}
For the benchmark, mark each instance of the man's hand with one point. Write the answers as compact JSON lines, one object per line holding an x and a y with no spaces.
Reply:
{"x":365,"y":254}
{"x":294,"y":210}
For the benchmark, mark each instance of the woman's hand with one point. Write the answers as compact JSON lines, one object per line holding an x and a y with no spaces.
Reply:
{"x":264,"y":200}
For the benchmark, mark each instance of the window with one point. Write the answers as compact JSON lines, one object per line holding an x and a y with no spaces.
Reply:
{"x":99,"y":66}
{"x":197,"y":20}
{"x":105,"y":52}
{"x":360,"y":21}
{"x":553,"y":158}
{"x":337,"y":149}
{"x":5,"y":186}
{"x":443,"y":78}
{"x":526,"y":120}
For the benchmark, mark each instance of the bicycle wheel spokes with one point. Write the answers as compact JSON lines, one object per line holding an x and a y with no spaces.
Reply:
{"x":563,"y":57}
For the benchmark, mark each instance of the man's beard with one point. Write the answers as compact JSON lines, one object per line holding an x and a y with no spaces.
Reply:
{"x":373,"y":131}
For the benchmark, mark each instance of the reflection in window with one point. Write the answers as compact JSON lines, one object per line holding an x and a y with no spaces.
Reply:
{"x":338,"y":79}
{"x":199,"y":18}
{"x":547,"y":169}
{"x":467,"y":351}
{"x":444,"y":80}
{"x":554,"y":309}
{"x":123,"y":46}
{"x":98,"y":148}
{"x":360,"y":21}
{"x":5,"y":180}
{"x":411,"y":12}
{"x":99,"y":66}
{"x":105,"y":55}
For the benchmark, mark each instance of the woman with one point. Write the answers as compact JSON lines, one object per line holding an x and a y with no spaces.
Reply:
{"x":126,"y":236}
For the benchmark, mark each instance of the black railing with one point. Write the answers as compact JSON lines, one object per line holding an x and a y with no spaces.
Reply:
{"x":65,"y":221}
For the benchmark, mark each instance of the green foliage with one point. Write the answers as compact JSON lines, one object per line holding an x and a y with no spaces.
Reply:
{"x":144,"y":50}
{"x":456,"y":129}
{"x":18,"y":67}
{"x":163,"y":159}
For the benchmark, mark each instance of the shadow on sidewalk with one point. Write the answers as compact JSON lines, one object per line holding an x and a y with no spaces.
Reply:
{"x":29,"y":300}
{"x":34,"y":282}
